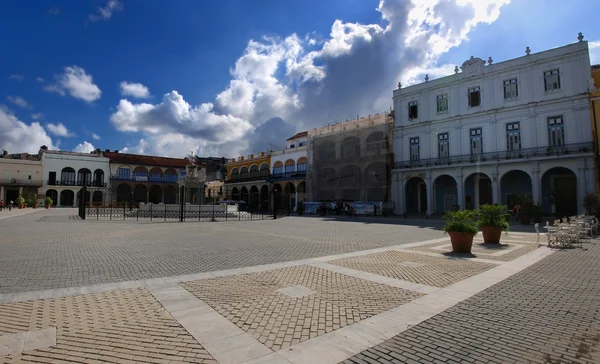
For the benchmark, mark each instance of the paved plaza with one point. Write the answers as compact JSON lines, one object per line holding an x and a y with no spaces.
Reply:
{"x":288,"y":291}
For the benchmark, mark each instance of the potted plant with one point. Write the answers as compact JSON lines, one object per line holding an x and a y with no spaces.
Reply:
{"x":48,"y":202}
{"x":300,"y":208}
{"x":492,"y":219}
{"x":526,"y":212}
{"x":462,"y":227}
{"x":20,"y":202}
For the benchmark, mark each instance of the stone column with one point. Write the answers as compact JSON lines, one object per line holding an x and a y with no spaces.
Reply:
{"x":535,"y":186}
{"x":400,"y":208}
{"x":581,"y":190}
{"x":2,"y":194}
{"x":495,"y":189}
{"x":147,"y":194}
{"x":429,"y":187}
{"x":20,"y":191}
{"x":296,"y":199}
{"x":58,"y":198}
{"x":460,"y":191}
{"x":590,"y":180}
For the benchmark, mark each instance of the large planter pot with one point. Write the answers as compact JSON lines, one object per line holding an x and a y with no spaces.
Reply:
{"x":525,"y":219}
{"x":47,"y":206}
{"x":491,"y":234}
{"x":461,"y":242}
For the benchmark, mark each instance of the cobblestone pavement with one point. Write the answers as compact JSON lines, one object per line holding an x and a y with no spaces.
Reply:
{"x":548,"y":313}
{"x":57,"y":252}
{"x":321,"y":301}
{"x":414,"y":267}
{"x":122,"y":326}
{"x":504,"y":251}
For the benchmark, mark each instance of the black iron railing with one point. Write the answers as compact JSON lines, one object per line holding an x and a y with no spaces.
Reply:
{"x":528,"y":153}
{"x":77,"y":183}
{"x":297,"y":174}
{"x":249,"y":179}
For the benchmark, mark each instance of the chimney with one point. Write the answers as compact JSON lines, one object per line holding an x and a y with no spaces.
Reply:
{"x":262,"y":154}
{"x":233,"y":159}
{"x":251,"y":156}
{"x":107,"y":151}
{"x":242,"y":158}
{"x":116,"y":151}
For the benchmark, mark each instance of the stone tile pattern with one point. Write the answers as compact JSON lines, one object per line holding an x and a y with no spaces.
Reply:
{"x":436,"y":271}
{"x":122,"y":326}
{"x":482,"y":250}
{"x":251,"y":302}
{"x":548,"y":313}
{"x":39,"y":255}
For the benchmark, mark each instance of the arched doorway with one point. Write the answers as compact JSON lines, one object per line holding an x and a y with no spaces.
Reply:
{"x":67,"y":177}
{"x":559,"y":192}
{"x":170,"y":194}
{"x":254,"y":198}
{"x":97,"y":197}
{"x":478,"y":191}
{"x":86,"y":197}
{"x":301,"y":191}
{"x":513,"y":184}
{"x":123,"y":193}
{"x":264,"y":197}
{"x":98,"y":178}
{"x":445,"y":192}
{"x":289,"y":192}
{"x":140,"y":193}
{"x":67,"y":198}
{"x":235,"y":194}
{"x":155,"y":194}
{"x":416,"y":195}
{"x":245,"y":194}
{"x":53,"y":195}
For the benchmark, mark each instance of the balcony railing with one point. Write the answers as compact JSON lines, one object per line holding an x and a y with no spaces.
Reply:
{"x":296,"y":174}
{"x":249,"y":178}
{"x":77,"y":183}
{"x":146,"y":178}
{"x":20,"y":182}
{"x":499,"y":156}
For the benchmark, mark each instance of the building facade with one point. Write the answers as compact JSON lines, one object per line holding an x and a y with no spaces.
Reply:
{"x":495,"y":130}
{"x":351,"y":161}
{"x":288,"y":170}
{"x":20,"y":174}
{"x":595,"y":116}
{"x":247,"y":180}
{"x":65,"y":173}
{"x":148,"y":179}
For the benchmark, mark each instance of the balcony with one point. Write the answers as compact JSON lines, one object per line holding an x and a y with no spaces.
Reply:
{"x":263,"y":177}
{"x":288,"y":175}
{"x":20,"y":182}
{"x":508,"y":155}
{"x":146,"y":178}
{"x":77,"y":183}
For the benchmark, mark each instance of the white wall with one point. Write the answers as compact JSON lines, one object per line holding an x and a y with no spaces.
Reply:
{"x":21,"y":170}
{"x":56,"y":163}
{"x":283,"y":155}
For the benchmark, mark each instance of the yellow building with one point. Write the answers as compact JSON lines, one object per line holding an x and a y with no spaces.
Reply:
{"x":247,"y":180}
{"x":595,"y":117}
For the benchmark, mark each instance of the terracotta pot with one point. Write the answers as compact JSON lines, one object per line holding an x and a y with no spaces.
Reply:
{"x":525,"y":219}
{"x":491,"y":234}
{"x":47,"y":206}
{"x":461,"y":242}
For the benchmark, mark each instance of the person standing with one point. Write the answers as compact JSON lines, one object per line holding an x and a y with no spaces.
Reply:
{"x":1,"y":205}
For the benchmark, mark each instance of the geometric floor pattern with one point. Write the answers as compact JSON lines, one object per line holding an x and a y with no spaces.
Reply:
{"x":278,"y":320}
{"x":505,"y":251}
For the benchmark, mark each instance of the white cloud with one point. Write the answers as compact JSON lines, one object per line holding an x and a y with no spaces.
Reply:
{"x":59,"y":130}
{"x":594,"y":48}
{"x":95,"y":136}
{"x":19,"y":137}
{"x":136,"y":90}
{"x":106,"y":12}
{"x":280,"y":85}
{"x":19,"y":101}
{"x":84,"y":147}
{"x":77,"y":83}
{"x":17,"y":77}
{"x":37,"y":116}
{"x":39,"y":79}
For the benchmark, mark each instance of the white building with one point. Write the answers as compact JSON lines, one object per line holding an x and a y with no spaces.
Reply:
{"x":66,"y":172}
{"x":288,"y":169}
{"x":20,"y":175}
{"x":496,"y":129}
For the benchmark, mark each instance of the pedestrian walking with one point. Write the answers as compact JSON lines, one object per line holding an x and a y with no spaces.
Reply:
{"x":1,"y":205}
{"x":10,"y":205}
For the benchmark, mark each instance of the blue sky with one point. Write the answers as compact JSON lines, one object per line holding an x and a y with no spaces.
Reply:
{"x":229,"y":77}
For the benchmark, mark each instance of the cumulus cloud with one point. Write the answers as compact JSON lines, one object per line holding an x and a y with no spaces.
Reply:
{"x":19,"y":137}
{"x":77,"y":83}
{"x":16,"y":77}
{"x":19,"y":101}
{"x":37,"y":116}
{"x":59,"y":130}
{"x":107,"y":11}
{"x":84,"y":147}
{"x":281,"y":85}
{"x":136,"y":90}
{"x":95,"y":136}
{"x":594,"y":48}
{"x":39,"y":79}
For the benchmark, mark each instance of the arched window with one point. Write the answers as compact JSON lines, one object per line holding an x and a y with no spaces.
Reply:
{"x":351,"y":148}
{"x":290,"y":167}
{"x":244,"y":173}
{"x":235,"y":174}
{"x":264,"y":171}
{"x":326,"y":151}
{"x":67,"y":176}
{"x":376,"y":144}
{"x":278,"y":168}
{"x":254,"y":172}
{"x":301,"y":165}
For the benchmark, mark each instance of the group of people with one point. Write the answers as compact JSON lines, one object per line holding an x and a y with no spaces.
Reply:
{"x":9,"y":205}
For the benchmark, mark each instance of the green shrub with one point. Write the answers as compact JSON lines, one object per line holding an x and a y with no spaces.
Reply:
{"x":48,"y":201}
{"x":300,"y":208}
{"x":20,"y":200}
{"x":460,"y":222}
{"x":493,"y":216}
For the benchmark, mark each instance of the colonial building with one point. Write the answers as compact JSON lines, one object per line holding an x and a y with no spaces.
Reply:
{"x":351,"y":161}
{"x":492,"y":130}
{"x":143,"y":178}
{"x":20,"y":174}
{"x":595,"y":116}
{"x":66,"y":172}
{"x":247,"y":179}
{"x":288,"y":170}
{"x":214,"y":167}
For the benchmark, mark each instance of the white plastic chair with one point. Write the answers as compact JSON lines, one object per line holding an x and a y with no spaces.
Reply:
{"x":537,"y":230}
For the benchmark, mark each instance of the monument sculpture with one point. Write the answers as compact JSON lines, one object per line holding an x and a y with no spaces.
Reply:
{"x":194,"y":181}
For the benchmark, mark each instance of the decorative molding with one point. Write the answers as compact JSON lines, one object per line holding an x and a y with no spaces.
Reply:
{"x":473,"y":66}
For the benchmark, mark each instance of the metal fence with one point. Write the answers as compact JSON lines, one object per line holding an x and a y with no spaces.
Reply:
{"x":188,"y":205}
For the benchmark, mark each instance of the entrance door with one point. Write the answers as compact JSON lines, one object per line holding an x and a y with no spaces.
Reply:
{"x":485,"y":192}
{"x":449,"y":202}
{"x":52,"y":178}
{"x":567,"y":198}
{"x":423,"y":197}
{"x":293,"y":203}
